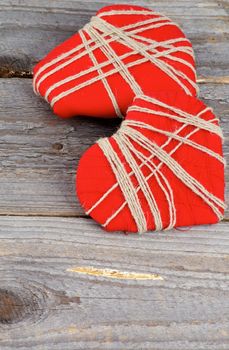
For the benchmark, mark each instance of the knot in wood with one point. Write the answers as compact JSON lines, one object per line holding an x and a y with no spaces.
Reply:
{"x":19,"y":304}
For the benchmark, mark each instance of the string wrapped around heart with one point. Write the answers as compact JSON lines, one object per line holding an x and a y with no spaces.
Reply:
{"x":163,"y":168}
{"x":124,"y":51}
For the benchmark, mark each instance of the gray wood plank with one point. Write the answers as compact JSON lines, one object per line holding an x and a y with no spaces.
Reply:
{"x":39,"y":152}
{"x":30,"y":29}
{"x":46,"y":304}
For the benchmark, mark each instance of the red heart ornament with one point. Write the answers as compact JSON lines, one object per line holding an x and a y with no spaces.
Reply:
{"x":124,"y":51}
{"x":163,"y":168}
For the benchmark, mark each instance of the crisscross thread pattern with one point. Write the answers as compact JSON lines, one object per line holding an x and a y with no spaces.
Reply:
{"x":132,"y":132}
{"x":100,"y":34}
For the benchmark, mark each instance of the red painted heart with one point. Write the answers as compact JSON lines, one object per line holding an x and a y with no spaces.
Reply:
{"x":124,"y":51}
{"x":163,"y":168}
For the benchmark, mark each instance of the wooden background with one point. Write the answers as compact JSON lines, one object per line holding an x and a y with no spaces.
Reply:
{"x":45,"y":302}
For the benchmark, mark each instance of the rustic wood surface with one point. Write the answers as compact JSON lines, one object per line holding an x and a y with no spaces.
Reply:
{"x":46,"y":305}
{"x":64,"y":283}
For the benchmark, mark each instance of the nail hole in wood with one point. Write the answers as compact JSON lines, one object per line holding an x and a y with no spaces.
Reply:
{"x":57,"y":146}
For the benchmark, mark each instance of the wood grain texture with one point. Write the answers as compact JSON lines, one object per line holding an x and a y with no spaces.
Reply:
{"x":30,"y":29}
{"x":44,"y":306}
{"x":39,"y":152}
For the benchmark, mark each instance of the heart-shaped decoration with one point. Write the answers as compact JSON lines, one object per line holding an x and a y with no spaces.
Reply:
{"x":124,"y":51}
{"x":163,"y":168}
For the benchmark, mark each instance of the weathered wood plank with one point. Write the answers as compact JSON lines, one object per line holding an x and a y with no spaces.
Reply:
{"x":39,"y":152}
{"x":45,"y":305}
{"x":30,"y":29}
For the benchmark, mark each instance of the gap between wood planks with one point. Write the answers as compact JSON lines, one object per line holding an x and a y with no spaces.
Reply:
{"x":7,"y":73}
{"x":35,"y":215}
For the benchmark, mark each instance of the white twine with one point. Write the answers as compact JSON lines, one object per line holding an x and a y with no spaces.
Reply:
{"x":128,"y":134}
{"x":104,"y":80}
{"x":102,"y":34}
